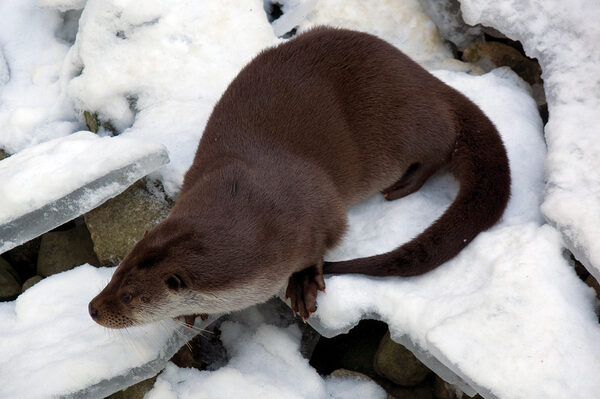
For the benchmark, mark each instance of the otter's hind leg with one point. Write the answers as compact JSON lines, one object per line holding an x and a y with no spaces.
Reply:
{"x":302,"y":290}
{"x":413,"y":179}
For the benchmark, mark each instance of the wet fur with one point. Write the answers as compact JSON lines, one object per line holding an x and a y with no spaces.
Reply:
{"x":306,"y":130}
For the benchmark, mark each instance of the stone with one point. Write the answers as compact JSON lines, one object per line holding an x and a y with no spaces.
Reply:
{"x":409,"y":393}
{"x":91,"y":121}
{"x":396,"y":363}
{"x":443,"y":390}
{"x":352,"y":351}
{"x":24,"y":258}
{"x":490,"y":55}
{"x":120,"y":222}
{"x":136,"y":391}
{"x":3,"y":154}
{"x":64,"y":250}
{"x":343,"y":373}
{"x":9,"y":284}
{"x":448,"y":18}
{"x":592,"y":282}
{"x":30,"y":282}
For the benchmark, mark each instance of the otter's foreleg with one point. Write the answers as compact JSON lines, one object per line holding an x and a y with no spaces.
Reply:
{"x":302,"y":290}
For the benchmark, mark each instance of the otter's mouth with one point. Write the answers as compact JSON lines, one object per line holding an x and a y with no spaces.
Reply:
{"x":191,"y":319}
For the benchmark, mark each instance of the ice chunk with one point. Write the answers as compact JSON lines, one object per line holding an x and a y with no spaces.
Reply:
{"x":49,"y":184}
{"x":52,"y":348}
{"x":563,"y":36}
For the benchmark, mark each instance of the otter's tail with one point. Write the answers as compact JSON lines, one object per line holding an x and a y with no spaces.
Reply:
{"x":480,"y":164}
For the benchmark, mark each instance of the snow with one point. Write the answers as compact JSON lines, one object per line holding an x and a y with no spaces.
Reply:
{"x":156,"y":71}
{"x":402,"y":23}
{"x":53,"y":182}
{"x":506,"y":318}
{"x":563,"y":36}
{"x":32,"y":107}
{"x":265,"y":363}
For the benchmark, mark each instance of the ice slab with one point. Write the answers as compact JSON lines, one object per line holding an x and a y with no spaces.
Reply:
{"x":52,"y":348}
{"x":49,"y":184}
{"x":563,"y":36}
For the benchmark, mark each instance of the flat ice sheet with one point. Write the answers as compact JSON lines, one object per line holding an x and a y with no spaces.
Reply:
{"x":51,"y":183}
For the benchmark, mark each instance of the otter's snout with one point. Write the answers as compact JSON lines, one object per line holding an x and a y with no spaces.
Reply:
{"x":94,"y":312}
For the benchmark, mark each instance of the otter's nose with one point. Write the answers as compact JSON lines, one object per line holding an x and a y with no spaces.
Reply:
{"x":93,"y":311}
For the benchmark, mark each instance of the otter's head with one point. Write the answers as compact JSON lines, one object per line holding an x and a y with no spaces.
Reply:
{"x":176,"y":270}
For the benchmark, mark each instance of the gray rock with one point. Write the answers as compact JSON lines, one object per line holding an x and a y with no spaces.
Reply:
{"x":24,"y":257}
{"x":396,"y":363}
{"x":490,"y":55}
{"x":30,"y":282}
{"x":136,"y":391}
{"x":9,"y":284}
{"x":120,"y":222}
{"x":446,"y":14}
{"x":343,"y":373}
{"x":63,"y":250}
{"x":443,"y":390}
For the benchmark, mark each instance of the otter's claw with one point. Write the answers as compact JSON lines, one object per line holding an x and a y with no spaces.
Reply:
{"x":302,"y":290}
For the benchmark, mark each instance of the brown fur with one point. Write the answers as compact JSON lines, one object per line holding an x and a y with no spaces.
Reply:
{"x":306,"y":130}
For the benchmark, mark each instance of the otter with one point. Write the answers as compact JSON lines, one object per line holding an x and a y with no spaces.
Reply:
{"x":307,"y":129}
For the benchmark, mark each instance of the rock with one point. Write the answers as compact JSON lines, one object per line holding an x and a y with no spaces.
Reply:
{"x":592,"y":282}
{"x":396,"y":363}
{"x":448,"y":18}
{"x":91,"y":121}
{"x":490,"y":55}
{"x":9,"y":284}
{"x":30,"y":282}
{"x":120,"y":222}
{"x":136,"y":391}
{"x":443,"y":390}
{"x":63,"y":250}
{"x":410,"y":393}
{"x":343,"y":373}
{"x":3,"y":154}
{"x":24,"y":258}
{"x":352,"y":351}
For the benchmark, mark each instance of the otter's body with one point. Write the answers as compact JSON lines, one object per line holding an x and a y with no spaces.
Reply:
{"x":306,"y":130}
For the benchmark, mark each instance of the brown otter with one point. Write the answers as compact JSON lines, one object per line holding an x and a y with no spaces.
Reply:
{"x":306,"y":130}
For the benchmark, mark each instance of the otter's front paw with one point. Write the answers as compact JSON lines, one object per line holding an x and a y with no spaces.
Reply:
{"x":302,"y":290}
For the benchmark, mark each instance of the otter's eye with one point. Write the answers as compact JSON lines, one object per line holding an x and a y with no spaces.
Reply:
{"x":125,"y":297}
{"x":174,"y":282}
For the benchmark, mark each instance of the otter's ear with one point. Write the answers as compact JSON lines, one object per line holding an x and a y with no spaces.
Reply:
{"x":145,"y":234}
{"x":174,"y":282}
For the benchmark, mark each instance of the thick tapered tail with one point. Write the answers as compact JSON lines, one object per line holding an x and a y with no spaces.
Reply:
{"x":480,"y":164}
